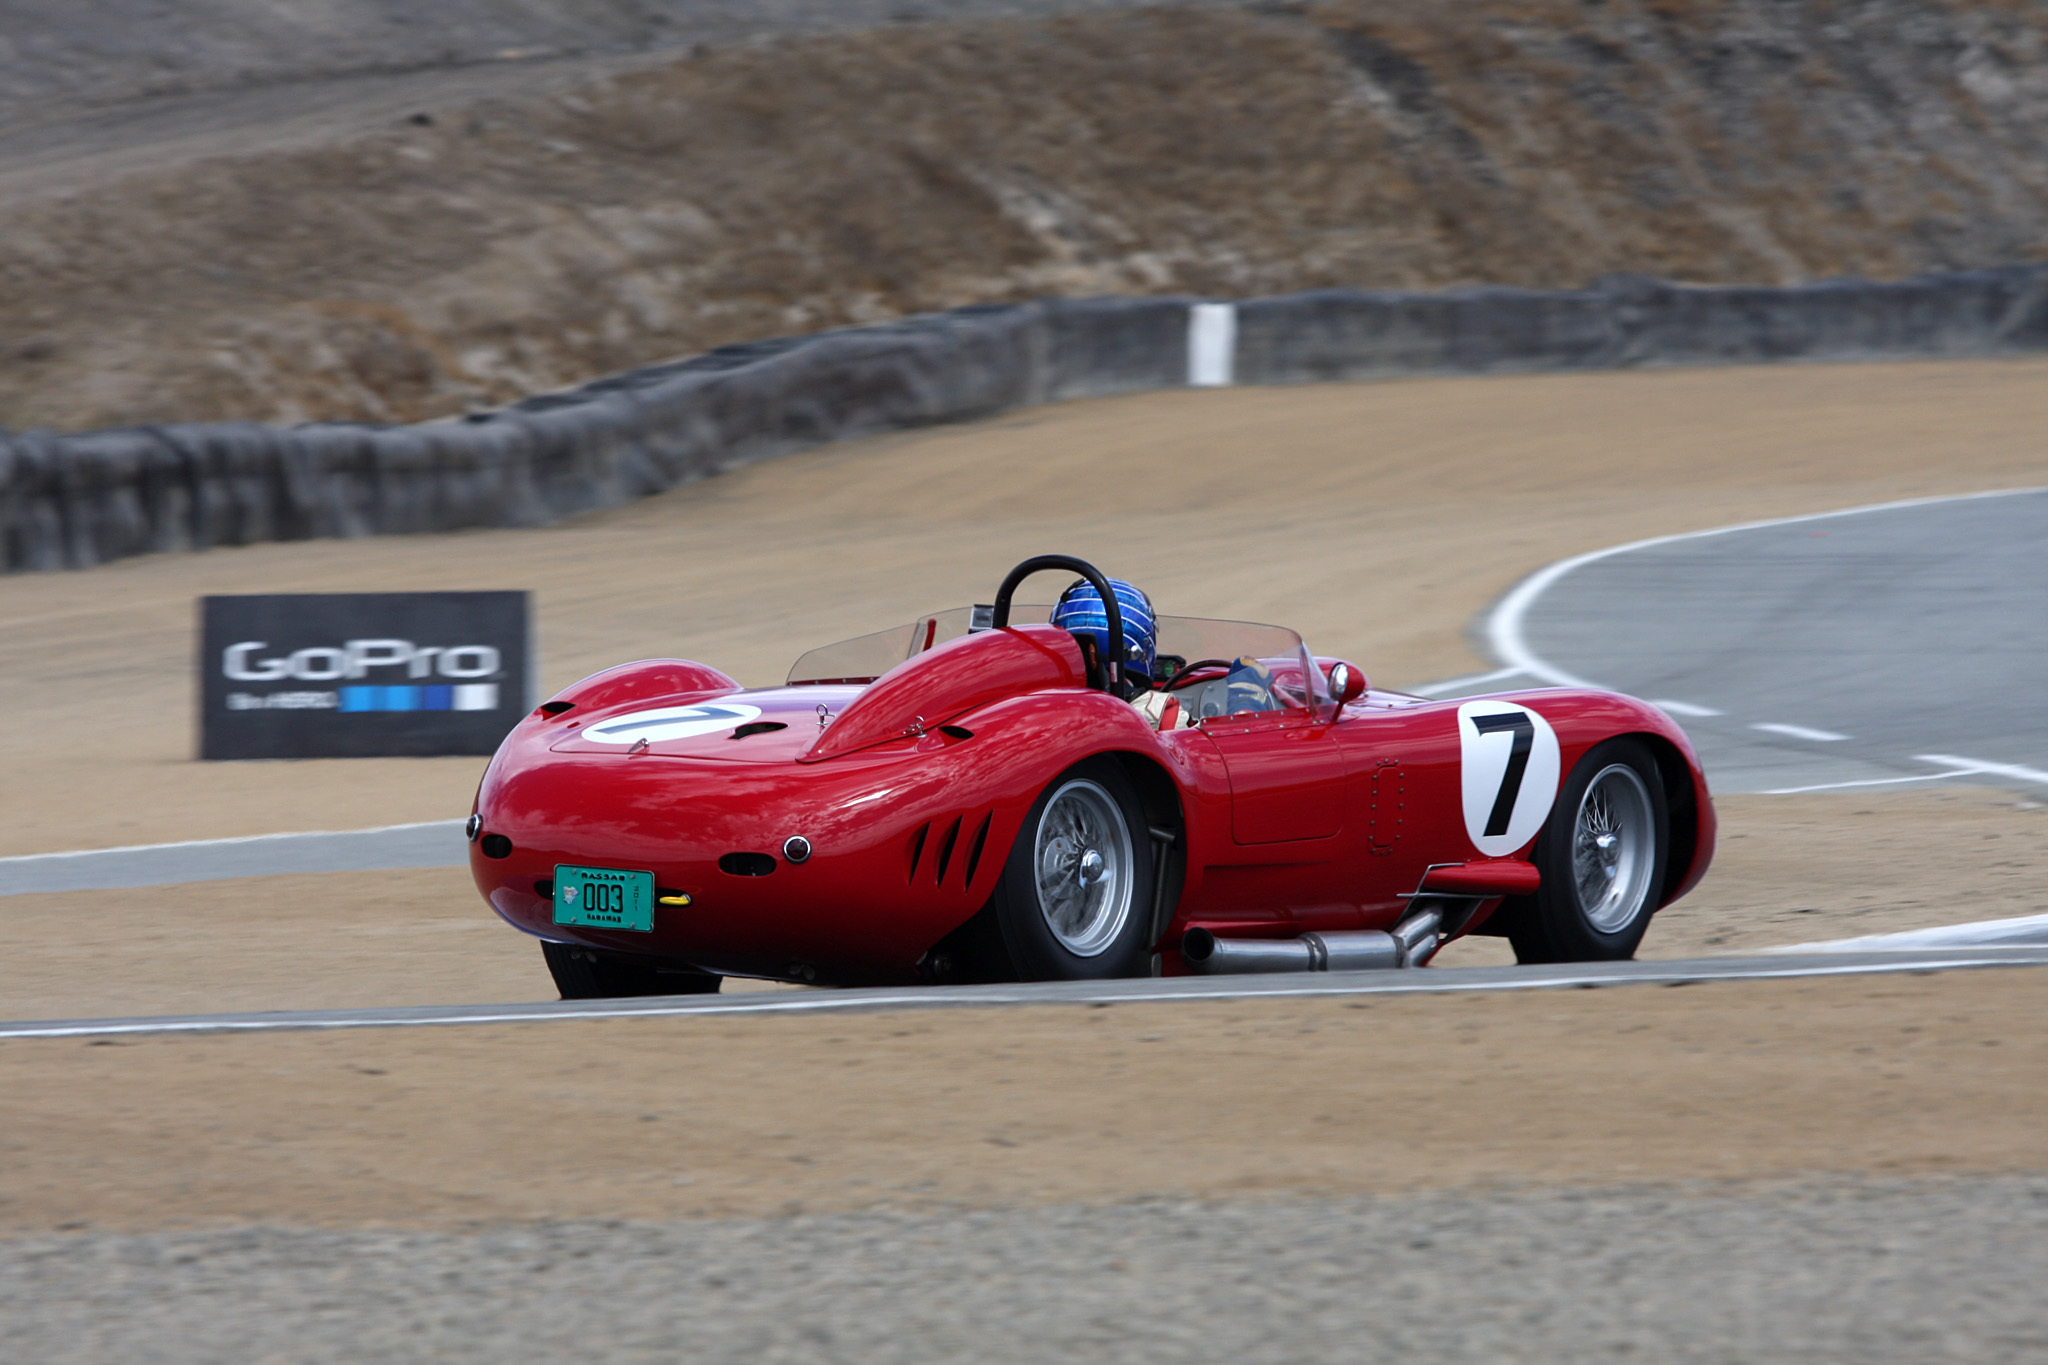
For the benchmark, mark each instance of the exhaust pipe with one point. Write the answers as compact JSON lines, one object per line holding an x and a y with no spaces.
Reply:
{"x":1417,"y":936}
{"x":1412,"y":943}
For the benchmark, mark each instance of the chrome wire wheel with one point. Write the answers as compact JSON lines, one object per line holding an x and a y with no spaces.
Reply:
{"x":1614,"y":848}
{"x":1083,"y":867}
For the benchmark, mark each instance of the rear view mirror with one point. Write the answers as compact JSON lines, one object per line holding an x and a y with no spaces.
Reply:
{"x":1347,"y":684}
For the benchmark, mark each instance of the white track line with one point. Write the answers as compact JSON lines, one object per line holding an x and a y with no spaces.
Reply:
{"x":430,"y":843}
{"x":1806,"y":732}
{"x":1868,"y":782}
{"x":20,"y":859}
{"x":1425,"y":981}
{"x":2023,"y":931}
{"x":1987,"y":767}
{"x":1505,"y":625}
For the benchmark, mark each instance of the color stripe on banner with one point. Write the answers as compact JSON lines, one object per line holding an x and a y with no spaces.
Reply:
{"x":429,"y":697}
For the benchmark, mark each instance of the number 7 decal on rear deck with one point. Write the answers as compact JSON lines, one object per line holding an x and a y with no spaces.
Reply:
{"x":1508,"y":769}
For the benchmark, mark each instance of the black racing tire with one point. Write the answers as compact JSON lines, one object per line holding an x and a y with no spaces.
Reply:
{"x":1592,"y":907}
{"x":593,"y":974}
{"x":1054,"y":930}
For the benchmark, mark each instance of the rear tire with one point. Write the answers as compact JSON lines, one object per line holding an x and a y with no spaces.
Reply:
{"x":593,"y":974}
{"x":1602,"y":855}
{"x":1075,"y":899}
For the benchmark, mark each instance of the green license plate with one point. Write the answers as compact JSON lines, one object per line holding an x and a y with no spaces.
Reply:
{"x":604,"y":898}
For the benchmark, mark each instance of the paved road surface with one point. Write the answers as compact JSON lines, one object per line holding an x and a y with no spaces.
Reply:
{"x":1877,"y":646}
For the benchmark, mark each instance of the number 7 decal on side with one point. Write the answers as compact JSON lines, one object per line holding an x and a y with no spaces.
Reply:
{"x":1508,"y":766}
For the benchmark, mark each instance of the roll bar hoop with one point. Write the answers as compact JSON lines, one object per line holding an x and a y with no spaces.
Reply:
{"x":1113,"y":666}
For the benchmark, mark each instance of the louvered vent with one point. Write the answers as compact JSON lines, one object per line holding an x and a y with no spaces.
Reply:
{"x":917,"y":848}
{"x":974,"y":851}
{"x":946,"y":850}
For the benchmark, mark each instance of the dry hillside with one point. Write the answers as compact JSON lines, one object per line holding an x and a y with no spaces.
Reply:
{"x":458,"y":256}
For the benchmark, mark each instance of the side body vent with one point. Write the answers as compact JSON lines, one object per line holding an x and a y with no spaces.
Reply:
{"x":974,"y":851}
{"x":946,"y":850}
{"x":917,"y":848}
{"x":948,"y":844}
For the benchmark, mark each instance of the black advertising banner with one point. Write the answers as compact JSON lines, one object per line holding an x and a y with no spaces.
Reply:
{"x":361,"y":675}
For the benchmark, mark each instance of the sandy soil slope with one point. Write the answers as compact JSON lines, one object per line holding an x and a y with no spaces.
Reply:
{"x":107,"y":53}
{"x":396,"y":245}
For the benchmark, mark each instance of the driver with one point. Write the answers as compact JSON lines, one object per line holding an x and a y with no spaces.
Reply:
{"x":1079,"y":611}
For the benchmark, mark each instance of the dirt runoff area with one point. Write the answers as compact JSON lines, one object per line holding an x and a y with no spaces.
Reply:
{"x":1381,"y":519}
{"x":964,"y":1108}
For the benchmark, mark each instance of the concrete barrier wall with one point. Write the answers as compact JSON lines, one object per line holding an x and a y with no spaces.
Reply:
{"x":73,"y":500}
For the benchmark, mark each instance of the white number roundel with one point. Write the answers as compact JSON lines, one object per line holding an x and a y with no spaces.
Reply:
{"x":1508,"y":765}
{"x":671,"y":722}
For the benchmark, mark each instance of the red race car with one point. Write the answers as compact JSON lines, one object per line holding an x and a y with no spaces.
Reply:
{"x":985,"y":795}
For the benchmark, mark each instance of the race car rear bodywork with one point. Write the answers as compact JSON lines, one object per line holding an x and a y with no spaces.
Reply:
{"x":854,"y":831}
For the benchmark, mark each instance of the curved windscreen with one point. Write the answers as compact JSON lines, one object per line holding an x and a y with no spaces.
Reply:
{"x":1236,"y":667}
{"x":865,"y":658}
{"x":1251,"y":667}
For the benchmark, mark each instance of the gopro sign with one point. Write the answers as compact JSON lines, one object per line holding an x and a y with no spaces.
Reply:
{"x":347,"y":675}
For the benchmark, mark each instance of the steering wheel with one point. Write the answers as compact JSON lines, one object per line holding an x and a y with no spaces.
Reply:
{"x":1111,"y":680}
{"x":1180,"y":674}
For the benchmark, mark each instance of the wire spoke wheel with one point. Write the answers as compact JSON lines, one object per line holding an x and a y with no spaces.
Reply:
{"x":1614,"y":848}
{"x":1083,"y":867}
{"x":1603,"y":854}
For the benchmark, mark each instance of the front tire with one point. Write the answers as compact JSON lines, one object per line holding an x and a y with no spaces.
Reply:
{"x":1075,"y":900}
{"x":1602,"y":855}
{"x":592,"y":974}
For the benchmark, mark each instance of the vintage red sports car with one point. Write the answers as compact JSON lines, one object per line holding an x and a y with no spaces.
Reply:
{"x":980,"y":796}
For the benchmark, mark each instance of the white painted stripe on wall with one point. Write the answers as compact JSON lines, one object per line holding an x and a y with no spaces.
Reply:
{"x":1212,"y":345}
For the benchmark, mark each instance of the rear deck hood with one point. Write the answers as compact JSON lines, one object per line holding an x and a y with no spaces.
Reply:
{"x":771,"y":725}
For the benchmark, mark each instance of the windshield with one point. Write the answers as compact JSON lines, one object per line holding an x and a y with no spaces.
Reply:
{"x":865,"y":658}
{"x":1229,"y":667}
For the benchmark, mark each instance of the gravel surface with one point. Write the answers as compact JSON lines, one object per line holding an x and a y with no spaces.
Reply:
{"x":1838,"y":1270}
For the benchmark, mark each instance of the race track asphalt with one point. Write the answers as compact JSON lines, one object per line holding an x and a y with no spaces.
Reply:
{"x":1888,"y":646}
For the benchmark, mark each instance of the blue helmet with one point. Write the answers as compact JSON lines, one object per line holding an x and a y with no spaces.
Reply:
{"x":1080,"y":611}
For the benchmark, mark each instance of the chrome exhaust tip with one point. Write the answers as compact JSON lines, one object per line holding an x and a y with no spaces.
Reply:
{"x":1412,"y":943}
